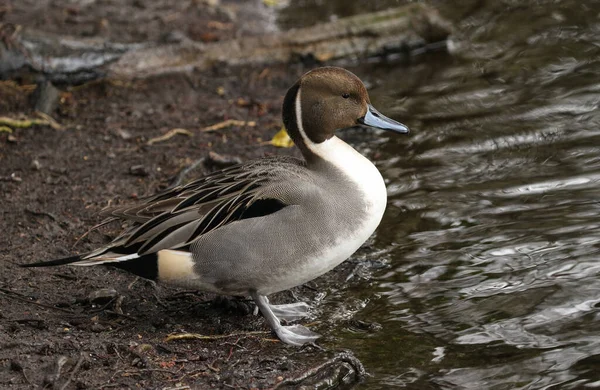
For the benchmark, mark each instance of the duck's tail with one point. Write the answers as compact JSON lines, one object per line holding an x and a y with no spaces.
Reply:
{"x":52,"y":263}
{"x":146,"y":266}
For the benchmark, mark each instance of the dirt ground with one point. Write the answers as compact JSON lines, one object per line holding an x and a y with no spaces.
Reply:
{"x":69,"y":327}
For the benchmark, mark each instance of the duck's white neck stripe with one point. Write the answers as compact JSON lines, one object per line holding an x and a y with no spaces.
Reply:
{"x":313,"y":147}
{"x":298,"y":108}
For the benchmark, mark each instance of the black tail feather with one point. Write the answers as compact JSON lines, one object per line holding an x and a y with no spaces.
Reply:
{"x":145,"y":266}
{"x":52,"y":263}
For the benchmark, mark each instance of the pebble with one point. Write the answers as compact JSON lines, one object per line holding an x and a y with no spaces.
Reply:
{"x":124,"y":134}
{"x":138,"y":170}
{"x":103,"y":295}
{"x":35,"y":165}
{"x":97,"y":328}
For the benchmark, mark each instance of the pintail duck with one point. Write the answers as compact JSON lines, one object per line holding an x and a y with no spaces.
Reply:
{"x":266,"y":225}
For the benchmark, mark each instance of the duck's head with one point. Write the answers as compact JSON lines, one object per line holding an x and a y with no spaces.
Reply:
{"x":328,"y":99}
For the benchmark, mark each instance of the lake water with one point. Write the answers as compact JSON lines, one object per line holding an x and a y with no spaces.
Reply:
{"x":488,"y":258}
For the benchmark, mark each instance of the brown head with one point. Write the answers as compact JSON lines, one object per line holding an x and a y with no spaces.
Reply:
{"x":328,"y":99}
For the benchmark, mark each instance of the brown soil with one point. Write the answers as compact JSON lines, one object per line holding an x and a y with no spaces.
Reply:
{"x":54,"y":182}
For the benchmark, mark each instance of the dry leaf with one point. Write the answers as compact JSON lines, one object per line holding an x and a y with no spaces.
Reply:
{"x":282,"y":139}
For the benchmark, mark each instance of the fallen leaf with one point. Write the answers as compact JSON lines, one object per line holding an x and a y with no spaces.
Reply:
{"x":282,"y":139}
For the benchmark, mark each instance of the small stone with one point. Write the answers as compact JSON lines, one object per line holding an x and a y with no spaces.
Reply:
{"x":35,"y":165}
{"x":144,"y":348}
{"x":138,"y":170}
{"x":103,"y":295}
{"x":97,"y":328}
{"x":124,"y":134}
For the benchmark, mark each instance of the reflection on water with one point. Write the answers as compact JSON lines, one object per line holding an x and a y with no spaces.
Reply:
{"x":492,"y":235}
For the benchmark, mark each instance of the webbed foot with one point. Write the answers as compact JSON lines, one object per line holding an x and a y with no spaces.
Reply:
{"x":296,"y":334}
{"x":293,"y":334}
{"x":290,"y":311}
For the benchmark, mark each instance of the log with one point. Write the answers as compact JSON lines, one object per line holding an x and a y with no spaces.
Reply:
{"x":61,"y":59}
{"x":390,"y":31}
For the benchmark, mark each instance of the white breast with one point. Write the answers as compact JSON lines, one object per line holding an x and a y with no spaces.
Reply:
{"x":368,"y":180}
{"x":359,"y":170}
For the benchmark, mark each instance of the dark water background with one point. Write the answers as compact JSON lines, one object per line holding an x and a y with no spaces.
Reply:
{"x":488,"y":253}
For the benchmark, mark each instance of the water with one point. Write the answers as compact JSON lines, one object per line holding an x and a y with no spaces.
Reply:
{"x":491,"y":240}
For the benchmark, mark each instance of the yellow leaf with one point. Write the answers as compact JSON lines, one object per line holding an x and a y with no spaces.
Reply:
{"x":282,"y":139}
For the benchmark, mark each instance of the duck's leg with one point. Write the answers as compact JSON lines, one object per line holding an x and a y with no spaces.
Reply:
{"x":294,"y":334}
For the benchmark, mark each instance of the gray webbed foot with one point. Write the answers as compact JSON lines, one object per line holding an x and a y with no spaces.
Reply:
{"x":293,"y":334}
{"x":291,"y":311}
{"x":296,"y":334}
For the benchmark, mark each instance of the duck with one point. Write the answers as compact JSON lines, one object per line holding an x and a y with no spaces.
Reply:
{"x":267,"y":225}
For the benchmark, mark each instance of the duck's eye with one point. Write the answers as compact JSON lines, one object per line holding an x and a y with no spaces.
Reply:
{"x":345,"y":95}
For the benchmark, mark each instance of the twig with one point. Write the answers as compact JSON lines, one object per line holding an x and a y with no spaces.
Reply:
{"x":143,"y":370}
{"x":75,"y":370}
{"x":231,"y":349}
{"x":227,"y":123}
{"x":108,"y":384}
{"x":197,"y":336}
{"x":168,"y":135}
{"x":97,"y":226}
{"x":103,"y":307}
{"x":158,"y":300}
{"x":29,"y":122}
{"x":213,"y":368}
{"x":23,"y":298}
{"x":50,"y":121}
{"x":130,"y":286}
{"x":41,"y":213}
{"x":192,"y":373}
{"x":343,"y":357}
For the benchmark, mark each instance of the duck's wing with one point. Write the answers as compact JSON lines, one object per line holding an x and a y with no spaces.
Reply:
{"x":174,"y":219}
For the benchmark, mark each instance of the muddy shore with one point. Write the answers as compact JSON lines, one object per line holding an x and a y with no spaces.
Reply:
{"x":68,"y":328}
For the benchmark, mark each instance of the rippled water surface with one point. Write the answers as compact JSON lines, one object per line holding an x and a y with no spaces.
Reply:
{"x":491,"y":240}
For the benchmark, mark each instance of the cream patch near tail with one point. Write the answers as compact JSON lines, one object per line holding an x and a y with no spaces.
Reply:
{"x":175,"y":266}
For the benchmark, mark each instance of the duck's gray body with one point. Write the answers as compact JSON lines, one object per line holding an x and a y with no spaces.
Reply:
{"x":267,"y":225}
{"x":326,"y":219}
